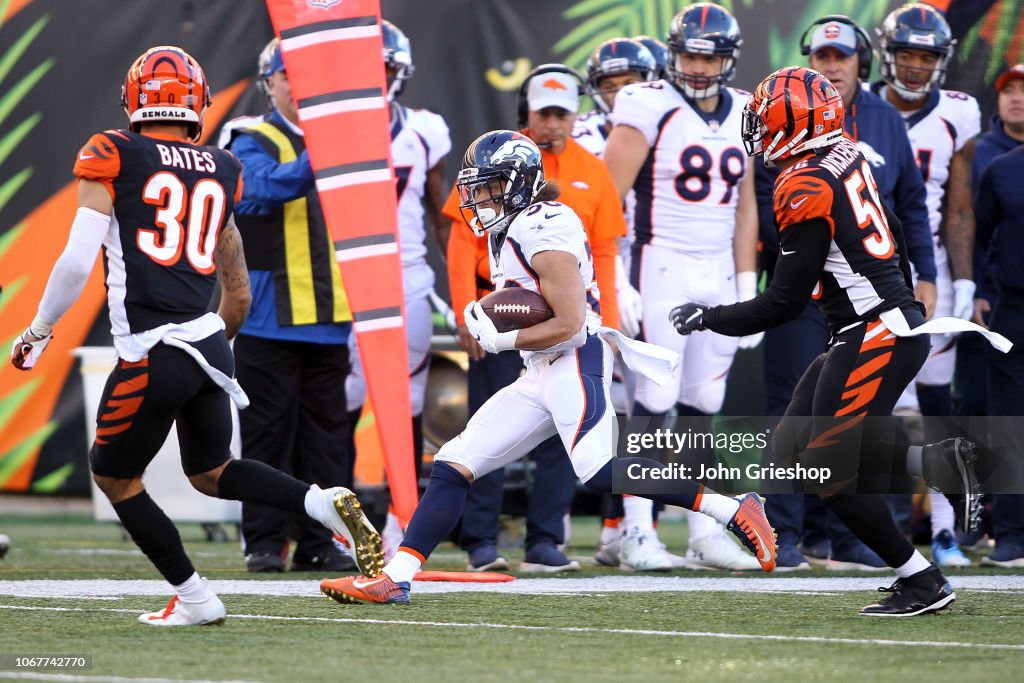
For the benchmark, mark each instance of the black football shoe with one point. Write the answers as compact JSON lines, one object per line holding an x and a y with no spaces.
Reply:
{"x":949,"y":468}
{"x":925,"y":591}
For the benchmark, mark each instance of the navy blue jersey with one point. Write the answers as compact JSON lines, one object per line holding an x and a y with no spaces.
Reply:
{"x":171,"y":200}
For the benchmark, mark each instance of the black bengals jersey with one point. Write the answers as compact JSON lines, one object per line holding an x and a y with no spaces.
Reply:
{"x":171,"y":200}
{"x":838,"y":244}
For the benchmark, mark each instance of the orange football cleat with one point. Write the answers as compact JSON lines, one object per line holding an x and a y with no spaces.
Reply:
{"x":751,"y":526}
{"x":355,"y":589}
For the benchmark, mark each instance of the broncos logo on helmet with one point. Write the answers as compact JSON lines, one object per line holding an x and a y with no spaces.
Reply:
{"x":616,"y":57}
{"x":397,"y":58}
{"x":166,"y":84}
{"x":501,"y":174}
{"x":793,"y":110}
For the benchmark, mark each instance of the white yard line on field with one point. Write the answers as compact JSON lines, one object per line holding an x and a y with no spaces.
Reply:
{"x":71,"y":678}
{"x":577,"y":629}
{"x":49,"y":588}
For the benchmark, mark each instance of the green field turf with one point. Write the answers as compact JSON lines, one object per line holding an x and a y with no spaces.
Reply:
{"x":598,"y":635}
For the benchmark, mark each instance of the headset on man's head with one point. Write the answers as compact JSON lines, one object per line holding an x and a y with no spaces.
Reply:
{"x":523,"y":107}
{"x":864,"y":47}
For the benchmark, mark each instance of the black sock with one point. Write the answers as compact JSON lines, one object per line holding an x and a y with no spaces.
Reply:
{"x":870,"y":520}
{"x":252,"y":481}
{"x":157,"y":537}
{"x":438,"y":511}
{"x":685,"y":497}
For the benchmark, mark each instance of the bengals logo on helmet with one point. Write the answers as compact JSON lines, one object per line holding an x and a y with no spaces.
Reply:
{"x":794,"y":110}
{"x":166,"y":84}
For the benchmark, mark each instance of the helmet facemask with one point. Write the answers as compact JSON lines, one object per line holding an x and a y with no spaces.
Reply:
{"x":701,"y":87}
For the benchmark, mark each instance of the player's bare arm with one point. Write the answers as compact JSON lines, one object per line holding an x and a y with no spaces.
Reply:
{"x":433,"y":200}
{"x":960,"y":214}
{"x":625,"y":154}
{"x":744,"y":241}
{"x":235,"y":297}
{"x":562,"y":287}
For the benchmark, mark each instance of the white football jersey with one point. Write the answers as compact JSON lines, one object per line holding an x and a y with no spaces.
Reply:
{"x":419,"y":140}
{"x":688,"y":188}
{"x":937,"y":131}
{"x":544,"y":226}
{"x":590,"y":133}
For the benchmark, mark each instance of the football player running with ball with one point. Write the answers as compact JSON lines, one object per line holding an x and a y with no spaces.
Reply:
{"x":541,"y":246}
{"x":840,"y":244}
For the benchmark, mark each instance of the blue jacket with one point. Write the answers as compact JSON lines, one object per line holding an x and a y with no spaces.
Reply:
{"x":269,"y":183}
{"x":999,"y":218}
{"x":873,"y":122}
{"x":989,"y":145}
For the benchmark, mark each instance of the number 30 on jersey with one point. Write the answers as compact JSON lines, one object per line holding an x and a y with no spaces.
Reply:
{"x":185,"y":222}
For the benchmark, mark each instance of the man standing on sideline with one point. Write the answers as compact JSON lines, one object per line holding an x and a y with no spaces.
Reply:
{"x":547,"y":106}
{"x":292,"y":351}
{"x":160,"y":206}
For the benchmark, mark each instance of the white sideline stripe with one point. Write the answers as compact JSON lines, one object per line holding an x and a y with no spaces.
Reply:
{"x":329,"y":36}
{"x":48,"y":588}
{"x":378,"y":324}
{"x":367,"y":251}
{"x":576,"y":629}
{"x":40,"y":676}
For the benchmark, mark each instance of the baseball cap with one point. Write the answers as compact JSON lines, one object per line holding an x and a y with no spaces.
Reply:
{"x":1015,"y":71}
{"x":835,"y":34}
{"x":553,"y":89}
{"x":270,"y":61}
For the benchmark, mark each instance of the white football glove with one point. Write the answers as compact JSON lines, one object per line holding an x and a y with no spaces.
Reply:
{"x":746,"y":289}
{"x":486,"y":334}
{"x":963,"y":298}
{"x":631,"y":308}
{"x":27,"y":349}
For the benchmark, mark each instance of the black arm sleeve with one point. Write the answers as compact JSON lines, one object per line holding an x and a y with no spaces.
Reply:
{"x":896,"y":228}
{"x":803,"y":249}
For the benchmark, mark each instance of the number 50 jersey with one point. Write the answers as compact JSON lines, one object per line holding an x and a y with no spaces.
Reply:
{"x":688,"y":187}
{"x":171,"y":200}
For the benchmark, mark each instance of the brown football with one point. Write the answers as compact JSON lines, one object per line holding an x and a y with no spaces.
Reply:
{"x":515,"y":308}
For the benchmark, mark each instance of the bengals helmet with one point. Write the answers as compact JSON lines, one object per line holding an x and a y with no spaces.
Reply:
{"x":616,"y":57}
{"x":398,"y":56}
{"x":703,"y":29}
{"x":915,"y":27}
{"x":166,"y":84}
{"x":793,"y":111}
{"x":503,"y":168}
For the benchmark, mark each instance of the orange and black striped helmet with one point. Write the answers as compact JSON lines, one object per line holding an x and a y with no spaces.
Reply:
{"x":166,"y":84}
{"x":793,"y":111}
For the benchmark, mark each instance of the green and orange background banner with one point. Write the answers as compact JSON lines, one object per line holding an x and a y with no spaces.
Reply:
{"x":61,"y":67}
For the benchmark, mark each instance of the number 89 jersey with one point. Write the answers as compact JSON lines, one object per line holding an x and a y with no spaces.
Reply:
{"x":171,"y":200}
{"x":688,"y":187}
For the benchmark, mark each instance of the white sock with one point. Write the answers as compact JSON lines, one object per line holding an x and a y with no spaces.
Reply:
{"x":314,"y":502}
{"x":716,"y":506}
{"x":194,"y":589}
{"x":403,"y":566}
{"x":391,"y":526}
{"x":943,"y":516}
{"x":610,"y":533}
{"x":914,"y":466}
{"x":917,"y":563}
{"x":638,"y":512}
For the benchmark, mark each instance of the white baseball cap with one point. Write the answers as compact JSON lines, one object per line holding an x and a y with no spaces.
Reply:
{"x":553,"y":89}
{"x":835,"y":34}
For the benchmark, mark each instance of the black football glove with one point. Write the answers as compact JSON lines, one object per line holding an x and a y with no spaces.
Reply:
{"x":688,"y":318}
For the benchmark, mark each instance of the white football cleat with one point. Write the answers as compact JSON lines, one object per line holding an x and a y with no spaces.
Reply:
{"x":719,"y":551}
{"x":642,"y":552}
{"x":178,"y":613}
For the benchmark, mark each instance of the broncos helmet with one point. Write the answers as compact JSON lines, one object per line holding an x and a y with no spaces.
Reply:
{"x":397,"y":56}
{"x":703,"y":29}
{"x":616,"y":57}
{"x":500,"y":167}
{"x":658,"y":50}
{"x":915,"y":27}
